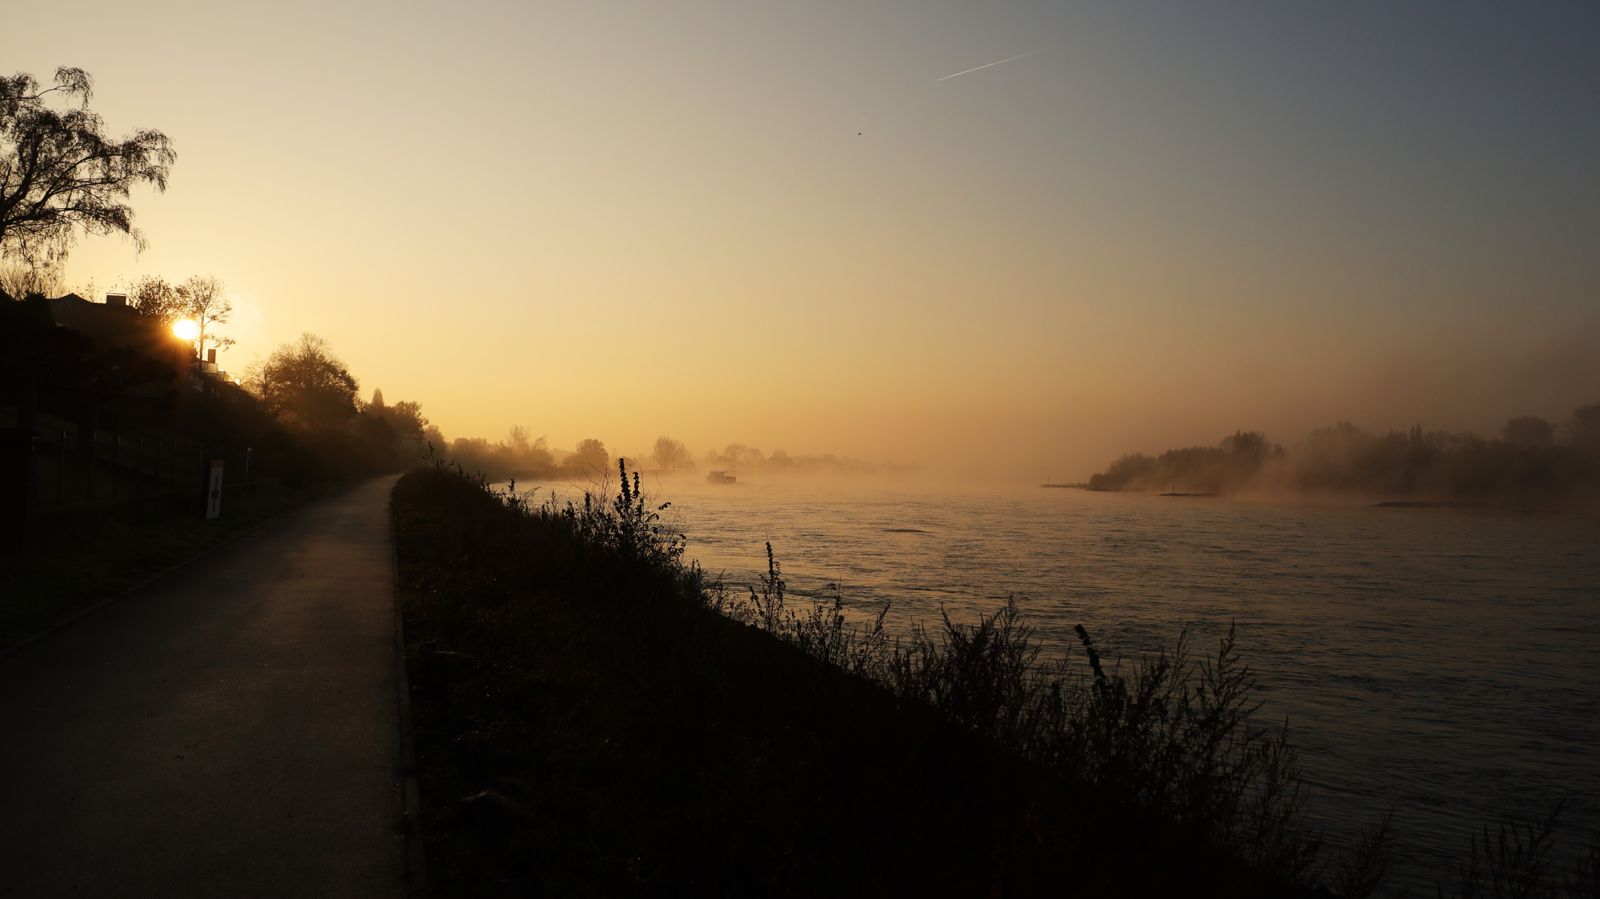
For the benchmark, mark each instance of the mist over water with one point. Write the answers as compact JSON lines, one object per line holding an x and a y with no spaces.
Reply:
{"x":1442,"y":663}
{"x":1294,"y":259}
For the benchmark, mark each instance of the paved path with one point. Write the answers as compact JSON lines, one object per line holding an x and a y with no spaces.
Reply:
{"x":230,"y":730}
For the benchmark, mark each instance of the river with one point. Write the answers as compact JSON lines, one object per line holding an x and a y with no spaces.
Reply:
{"x":1442,"y":663}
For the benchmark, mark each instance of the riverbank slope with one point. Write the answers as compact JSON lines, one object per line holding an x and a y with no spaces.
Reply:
{"x":586,"y":724}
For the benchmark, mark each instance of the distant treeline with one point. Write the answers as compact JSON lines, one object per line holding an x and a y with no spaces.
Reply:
{"x":1531,"y":459}
{"x":522,"y":455}
{"x":740,"y":458}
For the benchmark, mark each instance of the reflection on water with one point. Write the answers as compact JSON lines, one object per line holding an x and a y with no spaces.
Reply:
{"x":1439,"y":662}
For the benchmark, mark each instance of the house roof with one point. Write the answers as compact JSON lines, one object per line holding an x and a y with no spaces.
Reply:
{"x":115,"y":327}
{"x":105,"y":325}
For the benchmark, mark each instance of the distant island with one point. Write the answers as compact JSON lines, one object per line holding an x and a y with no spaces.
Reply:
{"x":1532,"y":461}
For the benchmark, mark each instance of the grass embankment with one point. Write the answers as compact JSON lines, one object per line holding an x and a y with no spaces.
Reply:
{"x":76,"y":558}
{"x":587,"y":722}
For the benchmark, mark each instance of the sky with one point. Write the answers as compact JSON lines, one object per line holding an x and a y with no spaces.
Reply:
{"x":785,"y":225}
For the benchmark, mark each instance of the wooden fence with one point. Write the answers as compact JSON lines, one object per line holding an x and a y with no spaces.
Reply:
{"x":60,"y":468}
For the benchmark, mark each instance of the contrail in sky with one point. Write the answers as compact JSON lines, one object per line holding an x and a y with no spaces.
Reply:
{"x":995,"y":63}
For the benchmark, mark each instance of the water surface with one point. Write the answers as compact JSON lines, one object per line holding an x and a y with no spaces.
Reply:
{"x":1443,"y":663}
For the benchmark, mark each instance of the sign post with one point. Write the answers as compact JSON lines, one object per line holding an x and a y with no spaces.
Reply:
{"x":214,"y":491}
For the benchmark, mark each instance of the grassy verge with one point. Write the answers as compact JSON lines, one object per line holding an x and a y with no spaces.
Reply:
{"x":76,"y":559}
{"x":591,"y":719}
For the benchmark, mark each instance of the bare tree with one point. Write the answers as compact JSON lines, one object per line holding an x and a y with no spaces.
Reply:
{"x":519,"y":439}
{"x":21,"y":278}
{"x":203,"y":301}
{"x":60,"y":172}
{"x":670,"y":454}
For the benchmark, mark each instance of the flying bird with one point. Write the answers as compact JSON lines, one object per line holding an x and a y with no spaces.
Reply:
{"x":995,"y":63}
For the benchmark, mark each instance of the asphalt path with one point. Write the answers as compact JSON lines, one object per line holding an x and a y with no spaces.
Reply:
{"x":229,"y":730}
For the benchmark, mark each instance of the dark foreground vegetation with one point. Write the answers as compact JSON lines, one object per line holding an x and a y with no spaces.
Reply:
{"x":588,"y":721}
{"x":593,"y":717}
{"x":1531,"y":461}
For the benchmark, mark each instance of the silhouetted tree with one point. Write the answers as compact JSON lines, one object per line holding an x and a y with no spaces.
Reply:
{"x":153,"y":297}
{"x":736,"y":455}
{"x":670,"y":454}
{"x":404,"y":419}
{"x":1529,"y":431}
{"x":303,"y":382}
{"x":1585,"y":428}
{"x":203,"y":301}
{"x":199,"y":299}
{"x":468,"y":450}
{"x":518,"y":439}
{"x":20,"y":279}
{"x":434,"y":435}
{"x":1247,"y":444}
{"x":60,"y":172}
{"x":589,"y":459}
{"x":407,"y":418}
{"x":1132,"y":470}
{"x":376,"y":436}
{"x":537,"y":459}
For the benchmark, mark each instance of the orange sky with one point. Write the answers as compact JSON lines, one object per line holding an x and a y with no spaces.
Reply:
{"x":777,"y":226}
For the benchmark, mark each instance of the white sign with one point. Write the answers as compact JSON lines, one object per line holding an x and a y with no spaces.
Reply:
{"x":214,"y":492}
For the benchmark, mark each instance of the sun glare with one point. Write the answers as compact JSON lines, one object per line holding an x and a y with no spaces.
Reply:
{"x":186,"y":329}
